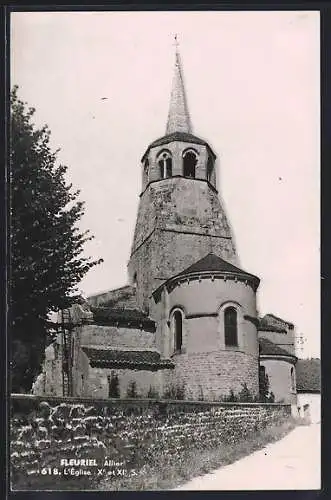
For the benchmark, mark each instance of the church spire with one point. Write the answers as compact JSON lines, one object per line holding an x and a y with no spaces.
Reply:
{"x":178,"y":116}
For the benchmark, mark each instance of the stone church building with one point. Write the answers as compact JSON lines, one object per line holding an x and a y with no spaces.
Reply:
{"x":187,"y":319}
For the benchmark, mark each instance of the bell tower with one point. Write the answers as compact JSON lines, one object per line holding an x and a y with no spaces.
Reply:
{"x":180,"y":216}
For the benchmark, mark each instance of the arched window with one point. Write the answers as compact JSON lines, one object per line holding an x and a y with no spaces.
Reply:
{"x":165,"y":164}
{"x":230,"y":326}
{"x":135,"y":279}
{"x":177,"y":330}
{"x":189,"y":163}
{"x":292,"y":379}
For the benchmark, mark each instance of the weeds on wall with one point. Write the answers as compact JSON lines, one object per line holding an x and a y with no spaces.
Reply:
{"x":132,"y":390}
{"x":245,"y":396}
{"x":201,"y":395}
{"x":114,"y":386}
{"x":173,"y":391}
{"x":153,"y":393}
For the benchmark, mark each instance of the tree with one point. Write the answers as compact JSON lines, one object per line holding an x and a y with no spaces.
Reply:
{"x":46,"y":262}
{"x":114,"y":386}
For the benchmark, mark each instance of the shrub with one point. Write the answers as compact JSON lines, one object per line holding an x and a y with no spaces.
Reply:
{"x":114,"y":386}
{"x":180,"y":391}
{"x":174,"y":391}
{"x":152,"y":393}
{"x":132,"y":390}
{"x":271,"y":398}
{"x":201,"y":396}
{"x":245,"y":396}
{"x":231,"y":398}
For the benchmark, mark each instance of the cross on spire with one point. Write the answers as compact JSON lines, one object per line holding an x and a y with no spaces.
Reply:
{"x":178,"y":117}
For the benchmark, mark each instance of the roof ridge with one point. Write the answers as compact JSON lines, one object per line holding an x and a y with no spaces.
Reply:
{"x":278,"y":318}
{"x":110,"y":290}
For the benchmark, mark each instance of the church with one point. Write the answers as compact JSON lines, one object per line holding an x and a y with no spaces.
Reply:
{"x":186,"y":324}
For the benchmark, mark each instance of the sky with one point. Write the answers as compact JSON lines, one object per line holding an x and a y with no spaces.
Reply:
{"x":253,"y":88}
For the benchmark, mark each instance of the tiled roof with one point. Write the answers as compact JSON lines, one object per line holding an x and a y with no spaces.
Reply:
{"x":271,"y":319}
{"x":269,"y":348}
{"x":108,"y":358}
{"x":209,"y":264}
{"x":270,"y":328}
{"x":212,"y":262}
{"x":123,"y":317}
{"x":308,"y":375}
{"x":178,"y":136}
{"x":123,"y":297}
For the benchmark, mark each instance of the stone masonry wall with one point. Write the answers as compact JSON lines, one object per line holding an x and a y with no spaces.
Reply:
{"x":135,"y":436}
{"x":169,"y":252}
{"x":116,"y":337}
{"x":144,"y":379}
{"x":179,"y":221}
{"x":214,"y":374}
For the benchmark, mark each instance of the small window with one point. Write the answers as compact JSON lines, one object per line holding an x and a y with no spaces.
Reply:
{"x":177,"y":320}
{"x":292,"y":379}
{"x":230,"y":326}
{"x":189,"y":163}
{"x":135,"y":278}
{"x":165,"y":165}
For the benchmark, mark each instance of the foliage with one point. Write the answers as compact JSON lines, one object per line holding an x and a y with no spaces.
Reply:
{"x":153,"y":393}
{"x":132,"y":390}
{"x":114,"y":386}
{"x":230,"y":398}
{"x":245,"y":396}
{"x":201,"y":395}
{"x":174,"y":391}
{"x":271,"y":398}
{"x":45,"y":244}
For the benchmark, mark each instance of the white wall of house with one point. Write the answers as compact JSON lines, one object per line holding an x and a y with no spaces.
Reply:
{"x":314,"y":402}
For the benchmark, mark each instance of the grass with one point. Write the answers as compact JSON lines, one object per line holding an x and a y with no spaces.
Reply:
{"x":196,"y":463}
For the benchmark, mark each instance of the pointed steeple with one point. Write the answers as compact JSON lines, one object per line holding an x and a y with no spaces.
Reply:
{"x":178,"y":116}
